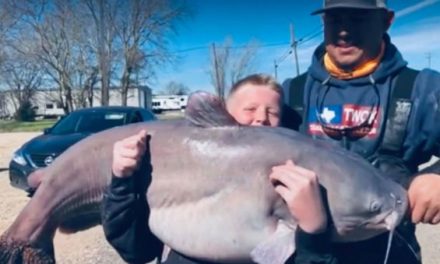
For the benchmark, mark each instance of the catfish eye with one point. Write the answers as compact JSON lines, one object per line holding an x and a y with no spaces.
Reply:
{"x":375,"y":207}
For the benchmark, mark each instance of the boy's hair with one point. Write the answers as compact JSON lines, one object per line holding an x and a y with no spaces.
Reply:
{"x":258,"y":79}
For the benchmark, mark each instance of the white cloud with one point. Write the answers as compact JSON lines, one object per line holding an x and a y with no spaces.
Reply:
{"x":416,"y":7}
{"x":419,"y":40}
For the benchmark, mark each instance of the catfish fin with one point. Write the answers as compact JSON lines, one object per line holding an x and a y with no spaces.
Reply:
{"x":278,"y":248}
{"x":34,"y":180}
{"x":165,"y":253}
{"x":207,"y":110}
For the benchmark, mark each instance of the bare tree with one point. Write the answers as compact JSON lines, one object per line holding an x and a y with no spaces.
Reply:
{"x":102,"y":12}
{"x":8,"y":20}
{"x":56,"y":34}
{"x":86,"y":65}
{"x":143,"y":28}
{"x":175,"y":88}
{"x":18,"y":74}
{"x":219,"y":59}
{"x":230,"y":64}
{"x":3,"y":105}
{"x":22,"y":77}
{"x":50,"y":28}
{"x":88,"y":78}
{"x":83,"y":43}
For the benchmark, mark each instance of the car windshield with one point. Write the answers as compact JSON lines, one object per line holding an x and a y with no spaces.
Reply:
{"x":89,"y":122}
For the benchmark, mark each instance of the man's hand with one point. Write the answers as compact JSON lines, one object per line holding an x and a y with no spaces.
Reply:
{"x":299,"y":188}
{"x":127,"y":154}
{"x":424,"y":199}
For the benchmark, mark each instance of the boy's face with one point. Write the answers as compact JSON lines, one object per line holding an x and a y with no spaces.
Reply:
{"x":255,"y":105}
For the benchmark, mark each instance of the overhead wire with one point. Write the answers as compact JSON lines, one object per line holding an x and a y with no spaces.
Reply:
{"x":303,"y":39}
{"x":233,"y":47}
{"x":307,"y":37}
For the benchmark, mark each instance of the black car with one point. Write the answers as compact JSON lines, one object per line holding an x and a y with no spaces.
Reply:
{"x":40,"y":151}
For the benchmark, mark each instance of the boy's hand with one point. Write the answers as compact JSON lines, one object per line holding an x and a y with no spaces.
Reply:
{"x":127,"y":154}
{"x":299,"y":188}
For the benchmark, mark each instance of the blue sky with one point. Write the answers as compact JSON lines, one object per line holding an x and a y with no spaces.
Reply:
{"x":416,"y":31}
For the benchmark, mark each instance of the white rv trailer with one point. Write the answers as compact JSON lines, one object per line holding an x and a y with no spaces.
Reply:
{"x":169,"y":102}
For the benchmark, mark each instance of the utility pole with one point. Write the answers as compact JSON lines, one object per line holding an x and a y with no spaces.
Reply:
{"x":294,"y":44}
{"x":428,"y":56}
{"x":218,"y":87}
{"x":275,"y":65}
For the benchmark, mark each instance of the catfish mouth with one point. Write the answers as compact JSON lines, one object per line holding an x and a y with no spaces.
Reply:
{"x":352,"y":230}
{"x":387,"y":223}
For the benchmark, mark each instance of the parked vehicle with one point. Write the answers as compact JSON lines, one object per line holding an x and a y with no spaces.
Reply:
{"x":41,"y":151}
{"x":169,"y":102}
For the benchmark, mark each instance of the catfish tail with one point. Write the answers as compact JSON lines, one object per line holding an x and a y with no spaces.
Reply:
{"x":16,"y":252}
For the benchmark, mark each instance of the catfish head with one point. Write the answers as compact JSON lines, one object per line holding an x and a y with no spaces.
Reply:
{"x":364,"y":205}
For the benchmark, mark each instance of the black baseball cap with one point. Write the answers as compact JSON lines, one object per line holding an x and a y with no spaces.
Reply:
{"x":359,"y":4}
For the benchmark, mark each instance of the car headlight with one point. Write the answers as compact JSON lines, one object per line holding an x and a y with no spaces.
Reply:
{"x":18,"y":158}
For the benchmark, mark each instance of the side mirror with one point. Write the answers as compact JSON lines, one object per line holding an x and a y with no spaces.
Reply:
{"x":46,"y":130}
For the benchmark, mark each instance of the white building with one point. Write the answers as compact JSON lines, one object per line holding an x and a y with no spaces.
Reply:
{"x":47,"y":102}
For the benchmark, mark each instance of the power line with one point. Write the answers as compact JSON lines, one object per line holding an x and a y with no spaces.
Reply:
{"x":263,"y":46}
{"x":312,"y":32}
{"x":233,"y":47}
{"x":190,"y":49}
{"x":285,"y":55}
{"x":294,"y":44}
{"x":314,"y":35}
{"x":277,"y":62}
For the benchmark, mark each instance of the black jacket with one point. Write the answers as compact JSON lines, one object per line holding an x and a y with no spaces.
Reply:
{"x":328,"y":101}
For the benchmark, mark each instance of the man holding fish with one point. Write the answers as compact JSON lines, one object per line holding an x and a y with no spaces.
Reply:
{"x":359,"y":94}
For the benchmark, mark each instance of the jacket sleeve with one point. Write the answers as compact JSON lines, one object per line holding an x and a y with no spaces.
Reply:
{"x":423,"y":132}
{"x":124,"y":219}
{"x":312,"y":249}
{"x":433,"y":168}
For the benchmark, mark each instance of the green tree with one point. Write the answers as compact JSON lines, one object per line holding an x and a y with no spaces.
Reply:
{"x":26,"y":112}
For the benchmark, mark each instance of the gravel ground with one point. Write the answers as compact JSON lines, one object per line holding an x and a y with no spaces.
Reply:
{"x":90,"y":246}
{"x":86,"y":247}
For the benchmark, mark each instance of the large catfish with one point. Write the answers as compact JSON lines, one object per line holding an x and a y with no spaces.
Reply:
{"x":210,"y":195}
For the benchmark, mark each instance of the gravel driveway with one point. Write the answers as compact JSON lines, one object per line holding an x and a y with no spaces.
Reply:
{"x":90,"y":246}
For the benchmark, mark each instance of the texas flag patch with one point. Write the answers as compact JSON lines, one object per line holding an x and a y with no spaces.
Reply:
{"x":345,"y":117}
